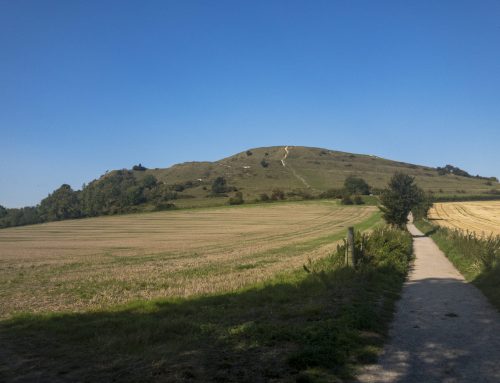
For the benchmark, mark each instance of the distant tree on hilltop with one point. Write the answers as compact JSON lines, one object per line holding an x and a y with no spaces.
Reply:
{"x":139,"y":168}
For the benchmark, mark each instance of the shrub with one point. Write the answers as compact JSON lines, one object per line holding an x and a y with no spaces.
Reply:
{"x":149,"y":181}
{"x":277,"y":194}
{"x":332,"y":193}
{"x":237,"y":199}
{"x":139,"y":168}
{"x":160,"y":206}
{"x":264,"y":163}
{"x":358,"y":200}
{"x":249,"y":152}
{"x":356,"y":185}
{"x":264,"y":197}
{"x":346,"y":200}
{"x":219,"y":185}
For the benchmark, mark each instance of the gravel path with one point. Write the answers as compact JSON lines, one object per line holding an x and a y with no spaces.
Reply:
{"x":444,"y":329}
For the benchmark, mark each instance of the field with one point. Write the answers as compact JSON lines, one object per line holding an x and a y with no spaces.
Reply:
{"x":94,"y":263}
{"x":483,"y":218}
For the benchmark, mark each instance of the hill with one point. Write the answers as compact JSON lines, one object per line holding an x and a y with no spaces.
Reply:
{"x":315,"y":170}
{"x":297,"y":172}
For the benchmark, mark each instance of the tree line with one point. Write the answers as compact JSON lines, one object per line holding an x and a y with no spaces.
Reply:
{"x":116,"y":192}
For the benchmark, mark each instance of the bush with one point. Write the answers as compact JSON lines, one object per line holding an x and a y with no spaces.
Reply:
{"x":264,"y":163}
{"x":356,"y":185}
{"x":139,"y":168}
{"x":237,"y":199}
{"x":277,"y":194}
{"x":264,"y":197}
{"x":219,"y":185}
{"x":160,"y":206}
{"x":249,"y":152}
{"x":358,"y":200}
{"x":332,"y":193}
{"x":346,"y":200}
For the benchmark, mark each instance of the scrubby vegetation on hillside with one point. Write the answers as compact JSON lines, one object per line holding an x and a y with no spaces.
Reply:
{"x":116,"y":192}
{"x":450,"y":169}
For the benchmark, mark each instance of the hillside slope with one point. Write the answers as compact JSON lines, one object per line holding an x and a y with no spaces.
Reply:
{"x":260,"y":170}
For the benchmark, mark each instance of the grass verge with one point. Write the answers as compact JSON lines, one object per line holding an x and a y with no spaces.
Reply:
{"x":476,"y":257}
{"x":310,"y":325}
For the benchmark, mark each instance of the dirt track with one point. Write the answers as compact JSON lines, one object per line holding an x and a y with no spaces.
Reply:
{"x":444,"y":329}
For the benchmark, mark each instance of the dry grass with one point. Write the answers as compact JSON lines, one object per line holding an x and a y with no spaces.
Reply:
{"x":483,"y":217}
{"x":93,"y":263}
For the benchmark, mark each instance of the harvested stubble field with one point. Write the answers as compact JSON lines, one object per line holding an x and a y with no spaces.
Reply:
{"x":93,"y":263}
{"x":482,"y":217}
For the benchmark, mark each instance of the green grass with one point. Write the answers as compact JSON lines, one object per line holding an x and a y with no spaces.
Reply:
{"x":314,"y":325}
{"x":477,"y":258}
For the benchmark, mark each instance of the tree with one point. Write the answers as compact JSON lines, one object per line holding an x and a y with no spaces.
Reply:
{"x":399,"y":198}
{"x":219,"y":185}
{"x":346,"y":200}
{"x":356,"y":185}
{"x":63,"y":203}
{"x":139,"y":168}
{"x":421,"y":210}
{"x":3,"y":211}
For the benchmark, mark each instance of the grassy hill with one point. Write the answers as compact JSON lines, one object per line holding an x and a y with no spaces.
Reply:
{"x":315,"y":170}
{"x":299,"y":172}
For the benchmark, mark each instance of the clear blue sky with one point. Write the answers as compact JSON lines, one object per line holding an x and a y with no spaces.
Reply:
{"x":87,"y":86}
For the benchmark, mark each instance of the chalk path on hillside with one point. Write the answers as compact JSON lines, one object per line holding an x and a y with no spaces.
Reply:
{"x":444,"y":329}
{"x":295,"y":174}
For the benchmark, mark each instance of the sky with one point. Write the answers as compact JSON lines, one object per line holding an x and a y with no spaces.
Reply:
{"x":89,"y":86}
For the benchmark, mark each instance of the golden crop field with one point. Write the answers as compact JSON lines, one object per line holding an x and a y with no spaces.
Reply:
{"x":93,"y":263}
{"x":482,"y":217}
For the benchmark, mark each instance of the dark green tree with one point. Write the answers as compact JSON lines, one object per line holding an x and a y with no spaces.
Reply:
{"x":400,"y":197}
{"x":63,"y":203}
{"x":421,"y":210}
{"x":356,"y":185}
{"x":219,"y":185}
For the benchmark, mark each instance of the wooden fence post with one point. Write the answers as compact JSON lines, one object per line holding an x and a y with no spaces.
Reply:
{"x":351,"y":256}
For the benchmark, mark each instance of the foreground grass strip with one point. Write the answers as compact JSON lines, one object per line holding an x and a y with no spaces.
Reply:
{"x":313,"y":325}
{"x":476,"y":257}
